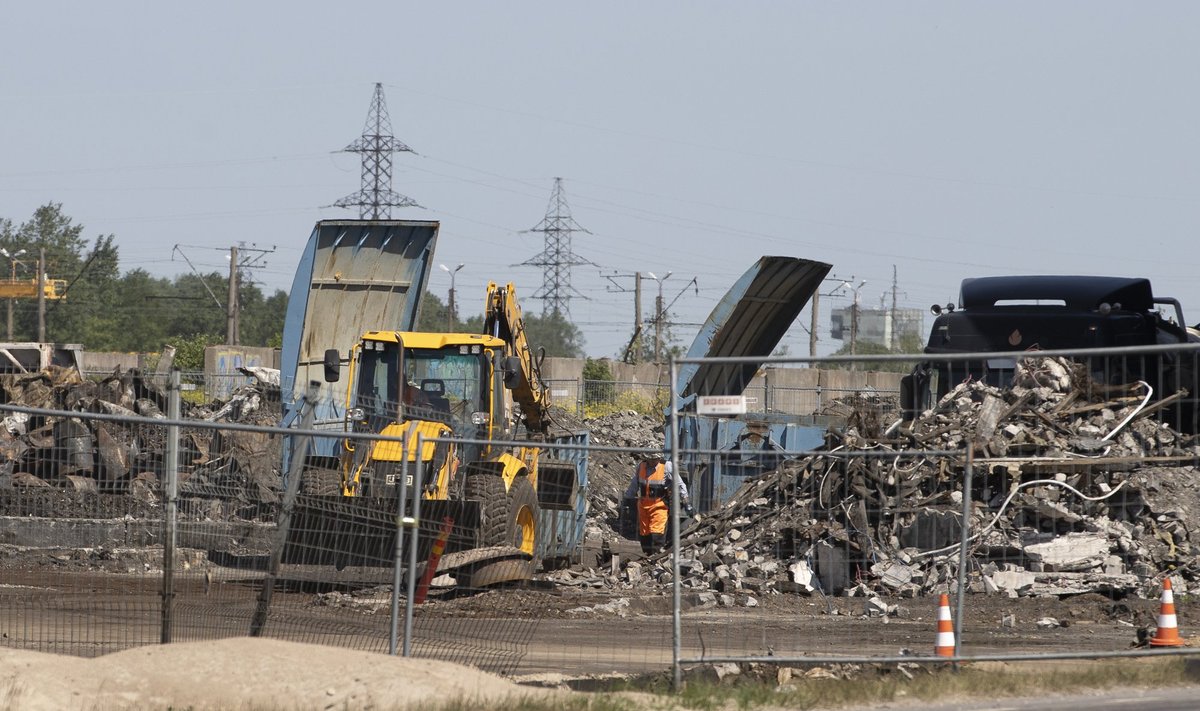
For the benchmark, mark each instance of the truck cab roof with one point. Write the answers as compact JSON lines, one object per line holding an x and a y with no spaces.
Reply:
{"x":1072,"y":292}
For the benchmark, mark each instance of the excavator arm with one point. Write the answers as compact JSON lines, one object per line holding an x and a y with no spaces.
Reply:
{"x":503,"y":319}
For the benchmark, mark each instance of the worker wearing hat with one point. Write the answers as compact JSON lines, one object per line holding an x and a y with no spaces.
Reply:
{"x":651,"y":485}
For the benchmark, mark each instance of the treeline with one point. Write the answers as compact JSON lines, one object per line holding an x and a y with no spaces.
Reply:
{"x":105,"y":310}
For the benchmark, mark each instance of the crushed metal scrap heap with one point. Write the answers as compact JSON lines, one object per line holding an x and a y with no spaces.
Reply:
{"x":1076,"y":488}
{"x":88,"y":455}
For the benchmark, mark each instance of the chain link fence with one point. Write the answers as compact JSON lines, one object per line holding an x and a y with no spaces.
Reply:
{"x":1050,"y":495}
{"x":126,"y":523}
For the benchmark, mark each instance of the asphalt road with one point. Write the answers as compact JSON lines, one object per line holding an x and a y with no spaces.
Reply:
{"x":1186,"y":698}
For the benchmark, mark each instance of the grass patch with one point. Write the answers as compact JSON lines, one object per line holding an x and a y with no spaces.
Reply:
{"x":772,"y":687}
{"x":606,"y":403}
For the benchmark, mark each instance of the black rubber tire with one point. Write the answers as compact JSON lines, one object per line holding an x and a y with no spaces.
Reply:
{"x":494,"y":526}
{"x":521,"y":495}
{"x":315,"y":481}
{"x":501,"y":571}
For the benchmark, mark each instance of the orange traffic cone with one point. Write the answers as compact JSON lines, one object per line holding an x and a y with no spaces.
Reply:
{"x":944,"y":646}
{"x":1167,"y":634}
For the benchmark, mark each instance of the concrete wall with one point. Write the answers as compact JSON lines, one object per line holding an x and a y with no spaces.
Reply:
{"x":794,"y":390}
{"x":221,"y":365}
{"x":107,"y":362}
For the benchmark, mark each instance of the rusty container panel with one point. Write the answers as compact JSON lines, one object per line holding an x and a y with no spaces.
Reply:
{"x":354,"y":276}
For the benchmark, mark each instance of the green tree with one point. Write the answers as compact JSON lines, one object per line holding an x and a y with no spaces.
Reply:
{"x":261,"y":316}
{"x":90,"y":313}
{"x":52,"y":233}
{"x":144,"y":312}
{"x":199,"y":305}
{"x":189,"y":350}
{"x":560,"y":337}
{"x":597,"y":381}
{"x":104,"y":310}
{"x":434,"y":315}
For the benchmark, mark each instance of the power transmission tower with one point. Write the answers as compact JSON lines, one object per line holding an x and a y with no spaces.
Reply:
{"x":376,"y":198}
{"x":557,"y":258}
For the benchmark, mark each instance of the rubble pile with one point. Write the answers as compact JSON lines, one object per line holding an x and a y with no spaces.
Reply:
{"x":609,"y":472}
{"x":87,"y":455}
{"x":1076,"y":488}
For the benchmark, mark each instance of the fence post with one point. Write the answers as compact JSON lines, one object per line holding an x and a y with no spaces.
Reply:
{"x":300,"y":450}
{"x":676,"y":585}
{"x":418,"y":492}
{"x":171,"y":491}
{"x":962,"y":551}
{"x":402,"y":520}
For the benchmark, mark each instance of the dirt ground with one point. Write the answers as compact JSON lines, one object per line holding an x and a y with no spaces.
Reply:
{"x":241,"y":673}
{"x":534,"y":630}
{"x":547,"y":635}
{"x":328,"y":634}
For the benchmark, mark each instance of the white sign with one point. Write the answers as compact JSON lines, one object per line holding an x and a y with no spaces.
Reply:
{"x":560,"y":393}
{"x":721,"y":404}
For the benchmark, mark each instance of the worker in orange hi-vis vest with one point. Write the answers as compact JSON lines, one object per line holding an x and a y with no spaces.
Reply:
{"x":651,"y":485}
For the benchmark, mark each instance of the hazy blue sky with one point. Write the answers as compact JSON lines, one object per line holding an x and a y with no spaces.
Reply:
{"x":947,"y":139}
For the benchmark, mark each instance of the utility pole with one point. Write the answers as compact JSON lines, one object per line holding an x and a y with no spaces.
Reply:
{"x":660,"y":312}
{"x":812,"y":331}
{"x":658,"y":316}
{"x":231,"y":305}
{"x":816,"y":309}
{"x":12,"y":258}
{"x":658,"y":324}
{"x":41,"y":287}
{"x":637,"y":317}
{"x":633,"y":349}
{"x":451,"y":314}
{"x":893,"y":341}
{"x":854,"y":323}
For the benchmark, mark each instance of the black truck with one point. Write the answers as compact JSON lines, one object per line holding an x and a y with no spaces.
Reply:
{"x":1009,"y":314}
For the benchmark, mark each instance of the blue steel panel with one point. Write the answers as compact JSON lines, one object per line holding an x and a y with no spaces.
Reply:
{"x":749,"y":321}
{"x":560,"y":533}
{"x":716,"y":477}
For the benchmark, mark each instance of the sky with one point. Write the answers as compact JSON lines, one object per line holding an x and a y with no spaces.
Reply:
{"x":941,"y":140}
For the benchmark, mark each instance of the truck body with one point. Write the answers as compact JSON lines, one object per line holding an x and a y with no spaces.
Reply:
{"x":354,"y":276}
{"x":749,"y":321}
{"x":1008,"y":314}
{"x":471,"y":414}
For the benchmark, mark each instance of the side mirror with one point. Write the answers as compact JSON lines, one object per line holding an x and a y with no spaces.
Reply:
{"x":512,"y":372}
{"x":333,"y":365}
{"x":908,"y":397}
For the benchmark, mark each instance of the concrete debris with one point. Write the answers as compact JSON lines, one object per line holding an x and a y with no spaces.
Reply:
{"x":1076,"y":488}
{"x":619,"y":607}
